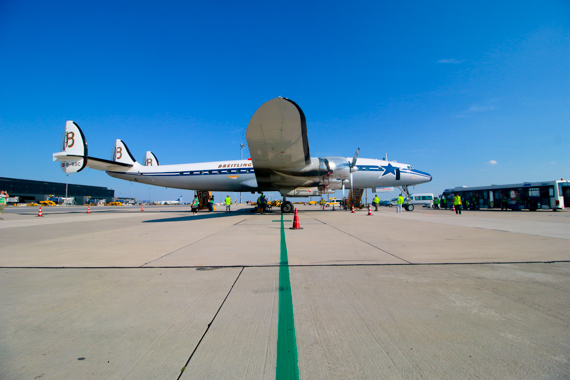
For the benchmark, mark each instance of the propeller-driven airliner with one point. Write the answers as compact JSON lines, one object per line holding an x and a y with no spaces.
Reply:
{"x":280,"y":161}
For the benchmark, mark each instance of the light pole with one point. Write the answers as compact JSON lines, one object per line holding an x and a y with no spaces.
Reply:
{"x":241,"y":146}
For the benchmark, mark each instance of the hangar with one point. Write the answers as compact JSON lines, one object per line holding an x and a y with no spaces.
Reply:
{"x":30,"y":190}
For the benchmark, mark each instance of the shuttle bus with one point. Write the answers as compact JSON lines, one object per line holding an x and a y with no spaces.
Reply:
{"x":549,"y":195}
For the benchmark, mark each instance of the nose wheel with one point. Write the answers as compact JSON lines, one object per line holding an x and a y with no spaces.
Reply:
{"x":287,"y":207}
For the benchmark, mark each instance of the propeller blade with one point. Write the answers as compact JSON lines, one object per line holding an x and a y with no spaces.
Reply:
{"x":351,"y":185}
{"x":353,"y":164}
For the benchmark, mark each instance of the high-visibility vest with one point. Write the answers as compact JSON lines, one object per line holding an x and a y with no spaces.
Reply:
{"x":400,"y":200}
{"x":196,"y":202}
{"x":2,"y":200}
{"x":376,"y":200}
{"x":228,"y":201}
{"x":457,"y":200}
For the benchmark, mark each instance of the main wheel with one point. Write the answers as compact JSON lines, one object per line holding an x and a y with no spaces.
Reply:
{"x":287,"y":207}
{"x":409,"y":207}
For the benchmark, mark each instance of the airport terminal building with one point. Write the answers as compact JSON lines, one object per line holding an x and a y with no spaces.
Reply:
{"x":35,"y":191}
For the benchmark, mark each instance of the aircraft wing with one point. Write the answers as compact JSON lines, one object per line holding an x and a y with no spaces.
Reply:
{"x":277,"y":136}
{"x":278,"y":144}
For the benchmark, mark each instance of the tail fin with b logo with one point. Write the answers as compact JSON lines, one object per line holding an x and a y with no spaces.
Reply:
{"x":122,"y":154}
{"x":73,"y":156}
{"x":150,"y":159}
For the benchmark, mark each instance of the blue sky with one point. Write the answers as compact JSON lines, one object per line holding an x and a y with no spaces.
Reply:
{"x":473,"y":92}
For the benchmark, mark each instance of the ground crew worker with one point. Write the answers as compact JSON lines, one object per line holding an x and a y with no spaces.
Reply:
{"x":466,"y":204}
{"x":504,"y":203}
{"x":399,"y":203}
{"x":457,"y":204}
{"x":195,"y":205}
{"x":474,"y":202}
{"x":211,"y":204}
{"x":3,"y":200}
{"x":436,"y":203}
{"x":228,"y":203}
{"x":261,"y":203}
{"x":376,"y":202}
{"x":444,"y":202}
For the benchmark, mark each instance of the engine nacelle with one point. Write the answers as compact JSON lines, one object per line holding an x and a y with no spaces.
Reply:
{"x":334,"y":167}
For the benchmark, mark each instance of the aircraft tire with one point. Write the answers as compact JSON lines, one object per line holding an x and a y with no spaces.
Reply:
{"x":409,"y":207}
{"x":287,"y":207}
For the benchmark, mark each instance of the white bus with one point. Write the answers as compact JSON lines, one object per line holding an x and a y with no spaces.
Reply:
{"x":548,"y":195}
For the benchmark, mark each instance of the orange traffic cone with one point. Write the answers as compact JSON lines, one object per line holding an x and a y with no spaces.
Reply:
{"x":142,"y":207}
{"x":323,"y":206}
{"x":453,"y":208}
{"x":88,"y":209}
{"x":40,"y":212}
{"x":369,"y":211}
{"x":352,"y":209}
{"x":296,"y":224}
{"x":333,"y":208}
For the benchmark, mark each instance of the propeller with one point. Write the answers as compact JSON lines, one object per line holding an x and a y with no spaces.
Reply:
{"x":352,"y":170}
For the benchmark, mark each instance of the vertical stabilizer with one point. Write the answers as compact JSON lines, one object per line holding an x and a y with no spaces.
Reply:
{"x":122,"y":154}
{"x":150,"y":159}
{"x":73,"y":156}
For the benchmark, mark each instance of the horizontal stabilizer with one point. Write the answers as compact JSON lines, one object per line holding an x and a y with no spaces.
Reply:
{"x":74,"y":156}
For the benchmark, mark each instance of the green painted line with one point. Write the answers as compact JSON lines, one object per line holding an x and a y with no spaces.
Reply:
{"x":287,"y":361}
{"x":281,"y":220}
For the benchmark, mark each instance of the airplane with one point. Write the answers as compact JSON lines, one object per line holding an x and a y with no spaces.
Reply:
{"x":280,"y":161}
{"x":169,"y":202}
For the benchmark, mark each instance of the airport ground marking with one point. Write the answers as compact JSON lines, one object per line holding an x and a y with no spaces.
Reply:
{"x":364,"y":241}
{"x":287,"y":359}
{"x":210,"y":324}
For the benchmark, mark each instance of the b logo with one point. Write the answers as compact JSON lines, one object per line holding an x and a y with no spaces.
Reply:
{"x":119,"y":153}
{"x":149,"y":162}
{"x":69,"y":139}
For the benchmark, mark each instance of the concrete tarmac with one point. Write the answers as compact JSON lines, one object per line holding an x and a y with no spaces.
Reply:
{"x":162,"y":294}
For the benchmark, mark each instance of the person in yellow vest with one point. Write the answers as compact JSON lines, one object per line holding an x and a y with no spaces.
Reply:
{"x":211,"y":204}
{"x":376,"y":202}
{"x":3,"y":200}
{"x":228,"y":203}
{"x":399,"y":203}
{"x":195,"y":205}
{"x":457,"y":204}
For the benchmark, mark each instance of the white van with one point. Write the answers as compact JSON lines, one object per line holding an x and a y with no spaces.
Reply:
{"x":423,"y":199}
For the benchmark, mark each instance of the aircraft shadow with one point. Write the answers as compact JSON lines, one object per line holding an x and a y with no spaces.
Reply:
{"x":205,"y":215}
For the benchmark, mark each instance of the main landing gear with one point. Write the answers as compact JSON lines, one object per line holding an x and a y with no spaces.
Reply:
{"x":287,"y":207}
